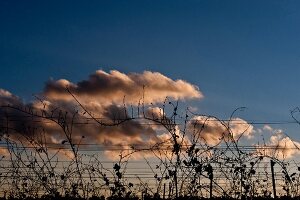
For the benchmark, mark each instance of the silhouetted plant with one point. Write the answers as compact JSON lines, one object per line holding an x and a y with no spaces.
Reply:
{"x":188,"y":165}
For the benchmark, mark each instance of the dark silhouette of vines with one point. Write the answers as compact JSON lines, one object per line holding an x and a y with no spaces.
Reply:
{"x":182,"y":162}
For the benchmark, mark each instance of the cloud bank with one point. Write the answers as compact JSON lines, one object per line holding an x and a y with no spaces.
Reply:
{"x":114,"y":96}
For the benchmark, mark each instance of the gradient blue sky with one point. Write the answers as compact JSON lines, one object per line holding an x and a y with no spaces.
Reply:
{"x":239,"y":53}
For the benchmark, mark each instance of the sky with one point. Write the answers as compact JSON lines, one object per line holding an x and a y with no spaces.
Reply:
{"x":239,"y":53}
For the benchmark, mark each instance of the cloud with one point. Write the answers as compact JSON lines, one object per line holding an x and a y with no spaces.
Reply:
{"x":213,"y":131}
{"x":7,"y":98}
{"x":279,"y":145}
{"x":11,"y":118}
{"x":161,"y":146}
{"x":240,"y":127}
{"x":108,"y":88}
{"x":102,"y":94}
{"x":268,"y":128}
{"x":25,"y":129}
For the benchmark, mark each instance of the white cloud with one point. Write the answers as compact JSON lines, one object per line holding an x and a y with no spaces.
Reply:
{"x":268,"y":128}
{"x":279,"y":146}
{"x":213,"y":131}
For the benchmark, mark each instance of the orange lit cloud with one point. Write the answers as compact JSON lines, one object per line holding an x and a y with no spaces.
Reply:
{"x":103,"y":95}
{"x":112,"y":87}
{"x":213,"y":131}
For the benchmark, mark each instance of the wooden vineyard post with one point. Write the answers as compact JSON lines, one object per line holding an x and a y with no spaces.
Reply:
{"x":211,"y":177}
{"x":210,"y":186}
{"x":273,"y":178}
{"x":164,"y":197}
{"x":175,"y":182}
{"x":170,"y":188}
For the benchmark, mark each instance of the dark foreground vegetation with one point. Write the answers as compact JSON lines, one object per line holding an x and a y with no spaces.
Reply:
{"x":149,"y":198}
{"x":46,"y":154}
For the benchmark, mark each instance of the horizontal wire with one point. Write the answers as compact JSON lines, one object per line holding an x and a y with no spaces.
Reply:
{"x":198,"y":146}
{"x":208,"y":119}
{"x":146,"y":149}
{"x":164,"y":124}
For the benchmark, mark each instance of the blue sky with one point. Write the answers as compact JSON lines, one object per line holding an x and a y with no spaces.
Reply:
{"x":239,"y":53}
